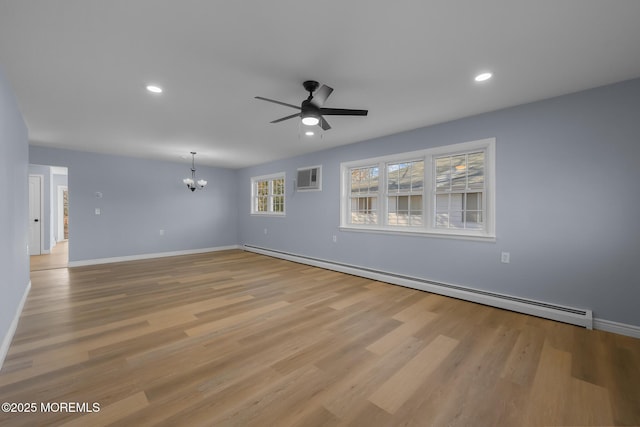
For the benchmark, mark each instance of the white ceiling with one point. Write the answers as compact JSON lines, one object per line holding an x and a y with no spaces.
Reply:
{"x":79,"y":67}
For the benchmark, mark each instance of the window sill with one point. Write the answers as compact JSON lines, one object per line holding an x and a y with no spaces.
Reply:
{"x":422,"y":233}
{"x":277,"y":215}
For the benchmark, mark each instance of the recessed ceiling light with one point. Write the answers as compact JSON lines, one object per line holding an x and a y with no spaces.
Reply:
{"x":309,"y":133}
{"x":483,"y":77}
{"x":154,"y":89}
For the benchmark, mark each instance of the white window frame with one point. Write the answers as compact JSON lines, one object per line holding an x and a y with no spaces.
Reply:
{"x":254,"y":187}
{"x":428,"y":228}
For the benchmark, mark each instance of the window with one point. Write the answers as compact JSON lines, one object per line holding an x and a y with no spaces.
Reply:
{"x":444,"y":191}
{"x":364,"y":195}
{"x":268,"y":194}
{"x":405,"y":183}
{"x":459,"y":189}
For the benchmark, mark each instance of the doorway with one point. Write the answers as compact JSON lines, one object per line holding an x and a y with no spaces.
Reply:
{"x":48,"y":216}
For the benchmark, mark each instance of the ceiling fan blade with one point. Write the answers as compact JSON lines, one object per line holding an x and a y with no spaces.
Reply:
{"x":297,"y":107}
{"x":324,"y":124}
{"x":320,"y":96}
{"x":286,"y":118}
{"x":342,"y":112}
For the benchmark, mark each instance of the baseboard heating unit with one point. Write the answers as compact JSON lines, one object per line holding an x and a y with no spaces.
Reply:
{"x":571,"y":315}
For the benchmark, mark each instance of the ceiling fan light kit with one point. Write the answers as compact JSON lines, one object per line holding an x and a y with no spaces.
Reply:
{"x":312,"y":111}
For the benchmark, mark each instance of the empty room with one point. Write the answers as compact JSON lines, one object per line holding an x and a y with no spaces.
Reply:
{"x":295,"y":213}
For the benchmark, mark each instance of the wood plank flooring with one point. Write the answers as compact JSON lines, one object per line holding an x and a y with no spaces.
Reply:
{"x":238,"y":339}
{"x":58,"y":258}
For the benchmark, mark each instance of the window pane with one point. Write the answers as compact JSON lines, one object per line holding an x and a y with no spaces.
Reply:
{"x":474,"y":201}
{"x":459,"y":210}
{"x":415,"y":210}
{"x":262,"y":203}
{"x":392,"y":215}
{"x":404,"y":176}
{"x":415,"y":204}
{"x":364,"y":180}
{"x":473,"y":220}
{"x":403,"y":203}
{"x":393,"y":203}
{"x":393,"y":177}
{"x":278,"y":203}
{"x":364,"y":210}
{"x":476,"y":170}
{"x":373,"y":179}
{"x":458,"y":172}
{"x":442,"y":203}
{"x":417,"y":176}
{"x":443,"y":173}
{"x":358,"y":180}
{"x":455,"y":219}
{"x":263,"y":188}
{"x":278,"y":186}
{"x":402,"y":213}
{"x":455,"y":202}
{"x":442,"y":220}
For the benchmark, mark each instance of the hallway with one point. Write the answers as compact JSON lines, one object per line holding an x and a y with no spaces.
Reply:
{"x":58,"y":258}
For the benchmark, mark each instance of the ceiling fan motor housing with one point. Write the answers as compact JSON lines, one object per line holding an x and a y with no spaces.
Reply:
{"x":311,"y":85}
{"x":309,"y":109}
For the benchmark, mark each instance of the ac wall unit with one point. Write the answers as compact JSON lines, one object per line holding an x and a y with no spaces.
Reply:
{"x":309,"y":179}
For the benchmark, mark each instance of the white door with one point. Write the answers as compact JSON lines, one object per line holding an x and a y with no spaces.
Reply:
{"x":35,"y":218}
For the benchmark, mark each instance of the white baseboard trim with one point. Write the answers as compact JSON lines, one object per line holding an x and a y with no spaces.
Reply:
{"x":617,"y":328}
{"x":571,"y":315}
{"x":6,"y":341}
{"x":97,"y":261}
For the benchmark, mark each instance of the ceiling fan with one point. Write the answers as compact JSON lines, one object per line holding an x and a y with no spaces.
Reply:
{"x":312,"y":110}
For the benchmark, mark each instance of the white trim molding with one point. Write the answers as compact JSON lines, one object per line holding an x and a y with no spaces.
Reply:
{"x":6,"y":341}
{"x":617,"y":328}
{"x":98,"y":261}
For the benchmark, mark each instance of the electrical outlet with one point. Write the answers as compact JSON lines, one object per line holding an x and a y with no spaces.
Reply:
{"x":97,"y":211}
{"x":162,"y":232}
{"x":335,"y":238}
{"x":505,"y":257}
{"x":265,"y":231}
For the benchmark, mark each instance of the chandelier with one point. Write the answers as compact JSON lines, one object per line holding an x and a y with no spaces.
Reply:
{"x":192,"y":184}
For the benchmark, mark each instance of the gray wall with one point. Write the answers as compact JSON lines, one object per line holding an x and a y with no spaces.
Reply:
{"x":567,"y":205}
{"x":140,"y":197}
{"x":14,"y":212}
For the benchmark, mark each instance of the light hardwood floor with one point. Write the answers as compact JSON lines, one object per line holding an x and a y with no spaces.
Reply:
{"x":58,"y":258}
{"x":239,"y":339}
